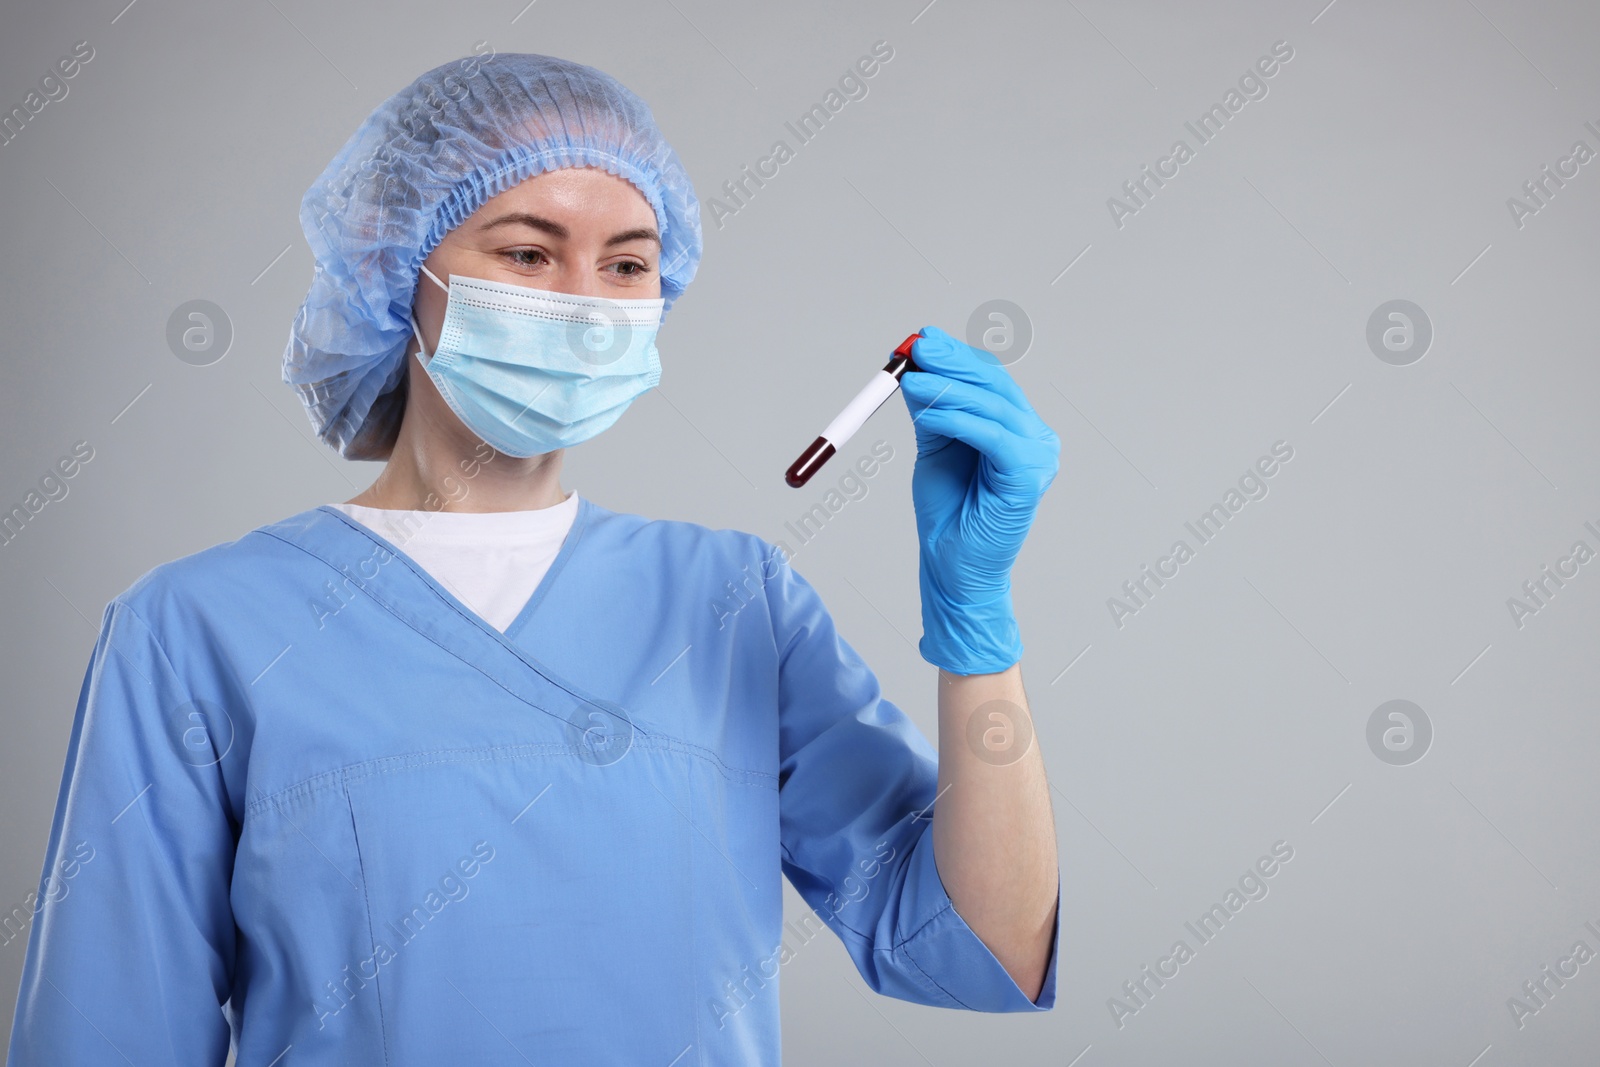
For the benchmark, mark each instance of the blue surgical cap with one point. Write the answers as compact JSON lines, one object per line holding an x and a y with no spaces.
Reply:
{"x":419,"y":165}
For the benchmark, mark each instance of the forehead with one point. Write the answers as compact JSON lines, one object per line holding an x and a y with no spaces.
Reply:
{"x":573,"y":196}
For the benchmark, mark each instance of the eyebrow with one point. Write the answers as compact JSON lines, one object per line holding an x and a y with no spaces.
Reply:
{"x":556,"y":230}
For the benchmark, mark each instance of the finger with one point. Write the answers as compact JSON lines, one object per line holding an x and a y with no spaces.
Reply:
{"x":930,"y":389}
{"x":937,"y":351}
{"x":929,"y":440}
{"x":925,"y":388}
{"x":1017,"y":462}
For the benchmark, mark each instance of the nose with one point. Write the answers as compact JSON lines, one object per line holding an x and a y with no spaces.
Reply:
{"x":578,"y":279}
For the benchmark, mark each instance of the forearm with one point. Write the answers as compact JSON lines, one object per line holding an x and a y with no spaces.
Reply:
{"x":993,"y":831}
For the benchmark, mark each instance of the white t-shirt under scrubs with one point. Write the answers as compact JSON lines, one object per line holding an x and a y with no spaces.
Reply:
{"x":490,"y":561}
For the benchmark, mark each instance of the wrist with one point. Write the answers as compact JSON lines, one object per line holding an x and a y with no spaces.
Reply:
{"x":970,"y":636}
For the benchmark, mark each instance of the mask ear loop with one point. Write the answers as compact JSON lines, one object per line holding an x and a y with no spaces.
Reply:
{"x":416,"y":331}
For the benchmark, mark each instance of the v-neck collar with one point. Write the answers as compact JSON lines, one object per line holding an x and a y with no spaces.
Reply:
{"x":463,"y":632}
{"x":569,"y":543}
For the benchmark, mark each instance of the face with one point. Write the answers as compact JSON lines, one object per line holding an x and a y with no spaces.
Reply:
{"x":578,"y":230}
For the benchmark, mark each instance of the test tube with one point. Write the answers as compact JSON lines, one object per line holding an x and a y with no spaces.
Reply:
{"x":855,"y":414}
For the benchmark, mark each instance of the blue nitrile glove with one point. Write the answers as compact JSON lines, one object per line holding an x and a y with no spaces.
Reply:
{"x":984,"y":458}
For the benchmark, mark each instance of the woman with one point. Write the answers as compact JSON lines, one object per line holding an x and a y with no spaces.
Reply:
{"x":465,"y":770}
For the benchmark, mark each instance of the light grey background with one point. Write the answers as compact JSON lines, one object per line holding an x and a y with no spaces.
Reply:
{"x":1228,"y":314}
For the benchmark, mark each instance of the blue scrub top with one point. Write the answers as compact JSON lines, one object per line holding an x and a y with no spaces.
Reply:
{"x":315,"y":806}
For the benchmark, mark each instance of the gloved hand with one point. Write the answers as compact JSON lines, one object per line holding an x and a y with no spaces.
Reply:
{"x":984,"y":458}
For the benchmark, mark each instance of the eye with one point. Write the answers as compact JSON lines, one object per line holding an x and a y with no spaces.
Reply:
{"x":525,"y":257}
{"x":629,"y":268}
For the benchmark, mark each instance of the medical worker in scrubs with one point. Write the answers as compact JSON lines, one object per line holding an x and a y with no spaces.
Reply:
{"x":473,"y":770}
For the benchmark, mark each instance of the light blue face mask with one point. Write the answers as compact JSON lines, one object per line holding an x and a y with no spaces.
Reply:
{"x":531,"y":371}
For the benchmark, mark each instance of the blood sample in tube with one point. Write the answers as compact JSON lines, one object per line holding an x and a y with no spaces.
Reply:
{"x":880,"y":387}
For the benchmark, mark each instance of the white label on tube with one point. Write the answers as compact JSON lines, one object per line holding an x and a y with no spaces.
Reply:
{"x":855,"y":413}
